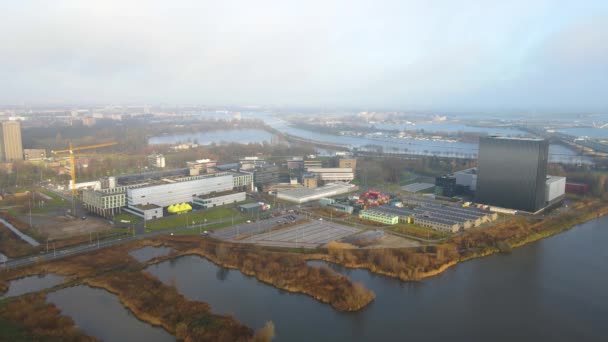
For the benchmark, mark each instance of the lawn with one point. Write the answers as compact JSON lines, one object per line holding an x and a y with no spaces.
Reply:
{"x":197,"y":229}
{"x":418,"y":231}
{"x":175,"y":221}
{"x":46,"y":205}
{"x":127,"y":217}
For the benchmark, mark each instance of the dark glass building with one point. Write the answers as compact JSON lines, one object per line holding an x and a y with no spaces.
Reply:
{"x":511,"y":172}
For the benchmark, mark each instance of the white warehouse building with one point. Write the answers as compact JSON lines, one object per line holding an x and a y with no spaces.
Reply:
{"x":166,"y":191}
{"x":555,"y":188}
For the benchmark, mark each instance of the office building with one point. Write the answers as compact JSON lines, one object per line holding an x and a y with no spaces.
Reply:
{"x":34,"y":154}
{"x":10,"y":139}
{"x":512,"y":172}
{"x":201,"y":166}
{"x":445,"y":186}
{"x":295,"y":163}
{"x":333,"y":174}
{"x":156,"y":161}
{"x":348,"y":162}
{"x":266,"y":175}
{"x":310,"y":181}
{"x":312,"y":163}
{"x":250,"y":163}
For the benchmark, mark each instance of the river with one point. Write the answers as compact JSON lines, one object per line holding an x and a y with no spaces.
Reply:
{"x":551,"y":290}
{"x":557,"y":153}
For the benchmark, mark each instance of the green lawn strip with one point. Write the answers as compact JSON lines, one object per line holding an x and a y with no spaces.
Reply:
{"x":193,"y":218}
{"x":133,"y":219}
{"x":196,"y":230}
{"x":418,"y":231}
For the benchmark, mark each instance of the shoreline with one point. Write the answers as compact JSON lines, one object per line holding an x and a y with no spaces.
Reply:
{"x":602,"y":210}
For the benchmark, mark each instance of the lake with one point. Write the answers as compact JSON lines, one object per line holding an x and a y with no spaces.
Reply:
{"x":99,"y":313}
{"x":33,"y":283}
{"x":551,"y":290}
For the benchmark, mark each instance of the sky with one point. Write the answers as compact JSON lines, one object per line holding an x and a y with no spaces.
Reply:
{"x":426,"y":55}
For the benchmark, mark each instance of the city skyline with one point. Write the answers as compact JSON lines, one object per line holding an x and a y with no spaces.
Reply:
{"x":539,"y":56}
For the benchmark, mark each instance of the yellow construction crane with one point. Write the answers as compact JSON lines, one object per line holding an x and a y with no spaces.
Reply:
{"x":71,"y":151}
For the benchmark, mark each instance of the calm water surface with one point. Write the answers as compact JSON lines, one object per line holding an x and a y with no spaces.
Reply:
{"x":99,"y":313}
{"x":32,"y":284}
{"x":149,"y":252}
{"x":552,"y":290}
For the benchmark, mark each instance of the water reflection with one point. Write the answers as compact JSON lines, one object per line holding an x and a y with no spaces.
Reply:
{"x":33,"y":283}
{"x":550,"y":290}
{"x":99,"y":313}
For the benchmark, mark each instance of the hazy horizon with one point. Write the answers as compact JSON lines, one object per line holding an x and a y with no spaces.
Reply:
{"x":468,"y":56}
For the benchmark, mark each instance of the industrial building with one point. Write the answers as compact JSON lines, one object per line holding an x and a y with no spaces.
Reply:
{"x":333,"y":174}
{"x":438,"y":215}
{"x":577,"y":188}
{"x":11,"y":147}
{"x":304,"y":195}
{"x":555,"y":189}
{"x":512,"y":172}
{"x":166,"y":191}
{"x":379,"y":216}
{"x":251,"y":208}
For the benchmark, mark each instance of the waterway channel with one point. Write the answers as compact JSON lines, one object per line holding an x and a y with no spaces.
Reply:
{"x":551,"y":290}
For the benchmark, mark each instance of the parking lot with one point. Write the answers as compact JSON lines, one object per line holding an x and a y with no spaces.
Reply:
{"x":252,"y":228}
{"x":309,"y":235}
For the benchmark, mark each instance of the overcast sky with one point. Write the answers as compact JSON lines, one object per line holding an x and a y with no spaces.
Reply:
{"x":485,"y":55}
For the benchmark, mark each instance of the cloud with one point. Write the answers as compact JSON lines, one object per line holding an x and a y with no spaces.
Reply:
{"x":442,"y":55}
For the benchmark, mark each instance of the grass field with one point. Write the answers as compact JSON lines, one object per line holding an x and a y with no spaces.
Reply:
{"x":193,"y":218}
{"x":197,"y":229}
{"x":127,"y":217}
{"x":418,"y":231}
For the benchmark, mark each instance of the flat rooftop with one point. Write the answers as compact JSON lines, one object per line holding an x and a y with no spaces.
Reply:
{"x":551,"y":179}
{"x":219,"y":194}
{"x":250,"y":205}
{"x":146,"y":206}
{"x":415,"y":187}
{"x":325,"y":189}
